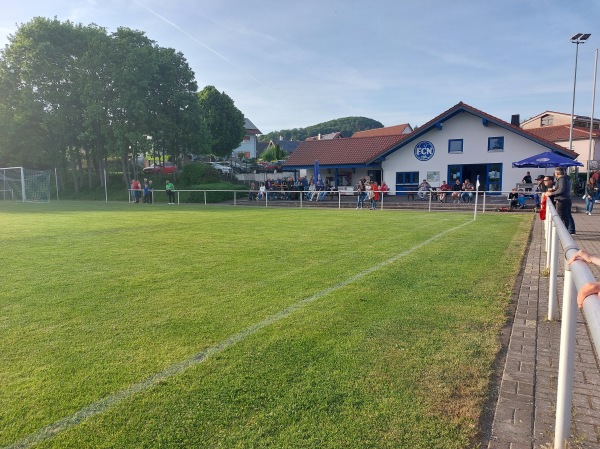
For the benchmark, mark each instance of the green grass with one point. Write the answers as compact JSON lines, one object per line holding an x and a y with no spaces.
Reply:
{"x":98,"y":297}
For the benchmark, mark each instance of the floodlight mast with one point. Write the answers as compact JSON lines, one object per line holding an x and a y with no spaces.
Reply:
{"x":576,"y":39}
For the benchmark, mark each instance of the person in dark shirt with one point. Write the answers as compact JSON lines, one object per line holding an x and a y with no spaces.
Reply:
{"x":562,"y":197}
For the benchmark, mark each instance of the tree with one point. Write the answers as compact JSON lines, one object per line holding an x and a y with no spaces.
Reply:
{"x":72,"y":96}
{"x":222,"y":120}
{"x":347,"y":126}
{"x":273,"y":153}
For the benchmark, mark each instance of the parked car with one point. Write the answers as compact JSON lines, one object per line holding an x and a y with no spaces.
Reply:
{"x":224,"y":169}
{"x":166,"y":168}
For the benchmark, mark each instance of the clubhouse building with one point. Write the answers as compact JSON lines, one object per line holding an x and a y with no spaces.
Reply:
{"x":461,"y":143}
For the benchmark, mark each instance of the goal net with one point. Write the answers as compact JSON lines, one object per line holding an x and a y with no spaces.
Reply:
{"x":22,"y":184}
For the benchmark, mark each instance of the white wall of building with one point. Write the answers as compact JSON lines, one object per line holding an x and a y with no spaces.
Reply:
{"x":475,"y":151}
{"x":248,"y":146}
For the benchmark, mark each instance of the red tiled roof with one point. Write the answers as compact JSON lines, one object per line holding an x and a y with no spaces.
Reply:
{"x":388,"y":131}
{"x":347,"y":151}
{"x":560,"y":133}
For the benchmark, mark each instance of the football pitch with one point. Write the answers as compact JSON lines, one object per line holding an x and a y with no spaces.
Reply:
{"x":131,"y":325}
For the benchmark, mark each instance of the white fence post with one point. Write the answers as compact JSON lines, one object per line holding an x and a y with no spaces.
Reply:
{"x":564,"y":395}
{"x":552,"y":313}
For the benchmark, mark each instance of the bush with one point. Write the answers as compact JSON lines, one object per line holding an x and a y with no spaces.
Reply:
{"x":194,"y":174}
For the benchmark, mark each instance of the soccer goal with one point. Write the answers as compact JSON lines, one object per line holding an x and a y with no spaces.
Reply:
{"x":22,"y":184}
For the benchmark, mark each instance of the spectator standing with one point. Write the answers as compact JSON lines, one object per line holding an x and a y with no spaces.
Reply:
{"x":590,"y":194}
{"x":562,"y":196}
{"x":169,"y":187}
{"x":375,"y":197}
{"x":362,"y":193}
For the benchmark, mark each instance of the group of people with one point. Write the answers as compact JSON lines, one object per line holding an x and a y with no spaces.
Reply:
{"x":147,"y":190}
{"x":369,"y":190}
{"x":461,"y":192}
{"x":137,"y":190}
{"x":290,"y":189}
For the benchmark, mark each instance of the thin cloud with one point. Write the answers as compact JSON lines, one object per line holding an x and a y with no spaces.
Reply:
{"x":202,"y":44}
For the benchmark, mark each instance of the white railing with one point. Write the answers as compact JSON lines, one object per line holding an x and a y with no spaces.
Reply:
{"x":479,"y":201}
{"x":576,"y":276}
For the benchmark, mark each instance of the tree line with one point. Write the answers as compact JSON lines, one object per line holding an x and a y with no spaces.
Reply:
{"x":346,"y":125}
{"x":73,"y":97}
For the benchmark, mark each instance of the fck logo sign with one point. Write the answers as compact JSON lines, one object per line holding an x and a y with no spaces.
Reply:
{"x":424,"y":150}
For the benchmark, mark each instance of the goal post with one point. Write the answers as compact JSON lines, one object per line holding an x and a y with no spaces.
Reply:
{"x":23,"y":184}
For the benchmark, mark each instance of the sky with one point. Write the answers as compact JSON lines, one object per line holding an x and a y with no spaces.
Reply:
{"x":296,"y":64}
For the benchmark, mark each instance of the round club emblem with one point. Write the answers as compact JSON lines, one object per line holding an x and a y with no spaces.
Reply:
{"x":424,"y":150}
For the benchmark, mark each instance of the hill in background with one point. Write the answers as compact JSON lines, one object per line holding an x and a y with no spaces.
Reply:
{"x":347,"y":126}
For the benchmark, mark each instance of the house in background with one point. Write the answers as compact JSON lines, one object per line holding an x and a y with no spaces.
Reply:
{"x":556,"y":127}
{"x":330,"y":136}
{"x":462,"y":142}
{"x":289,"y":146}
{"x":248,"y":145}
{"x":397,"y":130}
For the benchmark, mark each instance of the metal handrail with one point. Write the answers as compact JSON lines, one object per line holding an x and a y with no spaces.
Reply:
{"x":576,"y":276}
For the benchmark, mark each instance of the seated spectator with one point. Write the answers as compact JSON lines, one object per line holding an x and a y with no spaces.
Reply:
{"x":444,"y":189}
{"x":424,"y":187}
{"x":456,"y":191}
{"x":324,"y":191}
{"x":262,"y":192}
{"x":252,"y":192}
{"x":513,"y":197}
{"x":521,"y":199}
{"x":468,"y":188}
{"x":384,"y":189}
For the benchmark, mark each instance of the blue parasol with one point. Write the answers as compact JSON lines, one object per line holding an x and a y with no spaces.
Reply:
{"x":546,"y":160}
{"x":316,"y":173}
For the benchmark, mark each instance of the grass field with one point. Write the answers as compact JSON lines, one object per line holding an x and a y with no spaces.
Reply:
{"x":130,"y":325}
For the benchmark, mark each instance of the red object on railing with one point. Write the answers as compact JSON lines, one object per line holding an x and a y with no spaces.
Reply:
{"x":543,"y":208}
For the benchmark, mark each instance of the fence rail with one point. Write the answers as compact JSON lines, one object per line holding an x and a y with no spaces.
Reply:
{"x":480,"y":200}
{"x":576,"y":276}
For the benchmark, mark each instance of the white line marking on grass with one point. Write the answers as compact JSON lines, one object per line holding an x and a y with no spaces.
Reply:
{"x":102,"y":405}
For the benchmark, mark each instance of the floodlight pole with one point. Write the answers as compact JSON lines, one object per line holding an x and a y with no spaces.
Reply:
{"x":592,"y":116}
{"x":577,"y":39}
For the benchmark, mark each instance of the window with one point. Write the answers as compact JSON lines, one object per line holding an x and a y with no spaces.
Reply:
{"x":496,"y":144}
{"x":455,"y":146}
{"x":547,"y":120}
{"x":406,"y":181}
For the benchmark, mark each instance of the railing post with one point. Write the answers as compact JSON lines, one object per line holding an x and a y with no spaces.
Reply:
{"x":430,"y":195}
{"x":205,"y":197}
{"x":552,"y":303}
{"x":564,"y":396}
{"x":234,"y":197}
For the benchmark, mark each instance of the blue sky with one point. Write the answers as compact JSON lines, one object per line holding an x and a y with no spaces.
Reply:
{"x":295,"y":64}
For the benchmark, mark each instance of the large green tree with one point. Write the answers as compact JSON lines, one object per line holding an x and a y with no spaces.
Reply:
{"x":222,"y":120}
{"x":71,"y":96}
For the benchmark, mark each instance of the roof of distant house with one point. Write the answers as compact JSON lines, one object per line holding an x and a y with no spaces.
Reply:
{"x":387,"y":131}
{"x":289,"y":146}
{"x":347,"y":151}
{"x":261,"y":147}
{"x":250,"y":127}
{"x":330,"y":136}
{"x":560,"y":133}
